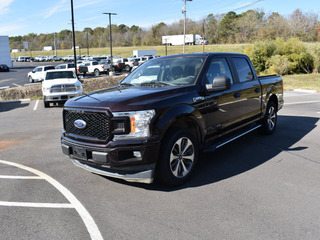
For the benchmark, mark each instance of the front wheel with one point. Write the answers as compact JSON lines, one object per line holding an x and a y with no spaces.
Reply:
{"x":179,"y":155}
{"x":269,"y":121}
{"x":30,"y":79}
{"x":45,"y":103}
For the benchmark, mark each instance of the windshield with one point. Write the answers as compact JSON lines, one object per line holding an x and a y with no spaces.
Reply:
{"x":60,"y":74}
{"x":167,"y":71}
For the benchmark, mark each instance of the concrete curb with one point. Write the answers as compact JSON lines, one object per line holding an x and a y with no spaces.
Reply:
{"x":304,"y":91}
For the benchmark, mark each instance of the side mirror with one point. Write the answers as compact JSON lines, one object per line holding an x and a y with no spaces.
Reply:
{"x":33,"y":71}
{"x":220,"y":83}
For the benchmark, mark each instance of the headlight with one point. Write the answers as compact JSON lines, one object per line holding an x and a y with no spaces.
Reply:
{"x":46,"y":89}
{"x":139,"y":124}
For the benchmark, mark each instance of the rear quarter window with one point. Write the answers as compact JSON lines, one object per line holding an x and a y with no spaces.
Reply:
{"x":243,"y":69}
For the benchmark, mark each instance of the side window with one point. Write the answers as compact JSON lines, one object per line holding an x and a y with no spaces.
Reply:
{"x":243,"y":68}
{"x":218,"y":67}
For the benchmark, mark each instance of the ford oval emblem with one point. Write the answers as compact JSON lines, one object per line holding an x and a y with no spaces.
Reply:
{"x":80,"y":124}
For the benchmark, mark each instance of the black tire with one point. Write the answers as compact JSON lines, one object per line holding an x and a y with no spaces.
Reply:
{"x":96,"y":72}
{"x":178,"y":157}
{"x":30,"y":79}
{"x":127,"y":68}
{"x":269,"y":122}
{"x":45,"y":103}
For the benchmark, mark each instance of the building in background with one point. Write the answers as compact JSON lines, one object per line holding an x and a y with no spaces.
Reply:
{"x":5,"y":57}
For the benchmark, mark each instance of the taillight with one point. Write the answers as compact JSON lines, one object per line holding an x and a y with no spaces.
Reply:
{"x":102,"y":67}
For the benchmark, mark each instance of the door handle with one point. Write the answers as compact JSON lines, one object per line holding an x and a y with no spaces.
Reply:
{"x":237,"y":95}
{"x":257,"y":90}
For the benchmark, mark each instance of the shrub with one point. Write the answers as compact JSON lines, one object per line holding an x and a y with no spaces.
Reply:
{"x":279,"y":65}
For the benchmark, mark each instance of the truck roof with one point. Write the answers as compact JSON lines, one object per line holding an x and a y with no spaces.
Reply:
{"x":207,"y":54}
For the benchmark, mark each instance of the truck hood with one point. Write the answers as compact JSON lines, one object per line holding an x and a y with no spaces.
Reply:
{"x":130,"y":99}
{"x":49,"y":83}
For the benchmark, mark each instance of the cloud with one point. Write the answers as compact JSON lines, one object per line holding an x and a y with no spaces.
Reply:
{"x":55,"y":8}
{"x":4,"y":4}
{"x":9,"y":29}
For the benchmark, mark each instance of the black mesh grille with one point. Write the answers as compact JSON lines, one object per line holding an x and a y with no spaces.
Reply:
{"x":97,"y":124}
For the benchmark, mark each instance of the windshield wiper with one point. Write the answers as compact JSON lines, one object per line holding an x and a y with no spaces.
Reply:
{"x":126,"y":84}
{"x":157,"y":83}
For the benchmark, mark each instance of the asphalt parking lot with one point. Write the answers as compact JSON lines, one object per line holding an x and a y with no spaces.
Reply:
{"x":258,"y":187}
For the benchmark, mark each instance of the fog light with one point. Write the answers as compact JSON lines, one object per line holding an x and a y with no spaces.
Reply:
{"x":137,"y":154}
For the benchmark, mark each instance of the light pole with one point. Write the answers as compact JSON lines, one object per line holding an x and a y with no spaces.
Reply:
{"x":111,"y":72}
{"x":184,"y":11}
{"x":74,"y":40}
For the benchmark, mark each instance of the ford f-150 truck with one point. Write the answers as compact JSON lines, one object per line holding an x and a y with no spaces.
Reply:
{"x":155,"y":122}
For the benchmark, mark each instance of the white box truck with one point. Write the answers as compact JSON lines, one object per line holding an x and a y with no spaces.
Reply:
{"x":5,"y":57}
{"x":190,"y":39}
{"x":142,"y":53}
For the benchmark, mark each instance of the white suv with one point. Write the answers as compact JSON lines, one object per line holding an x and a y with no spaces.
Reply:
{"x":59,"y":86}
{"x":38,"y":74}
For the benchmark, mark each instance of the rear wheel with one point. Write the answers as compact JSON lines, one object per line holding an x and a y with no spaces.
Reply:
{"x":127,"y":68}
{"x":269,"y":121}
{"x":96,"y":72}
{"x":178,"y":157}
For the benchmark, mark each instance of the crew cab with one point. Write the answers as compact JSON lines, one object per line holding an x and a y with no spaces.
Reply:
{"x":59,"y":86}
{"x":155,"y":122}
{"x":93,"y":67}
{"x":38,"y":74}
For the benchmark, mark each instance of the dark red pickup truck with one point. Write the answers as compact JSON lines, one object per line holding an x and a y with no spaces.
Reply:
{"x":155,"y":122}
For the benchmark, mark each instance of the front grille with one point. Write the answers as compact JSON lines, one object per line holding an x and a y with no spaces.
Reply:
{"x":63,"y":88}
{"x":97,"y":123}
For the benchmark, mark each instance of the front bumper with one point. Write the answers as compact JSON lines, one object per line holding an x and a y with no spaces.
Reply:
{"x":134,"y":163}
{"x":57,"y":97}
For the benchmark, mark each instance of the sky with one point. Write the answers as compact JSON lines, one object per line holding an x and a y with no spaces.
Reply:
{"x":20,"y":17}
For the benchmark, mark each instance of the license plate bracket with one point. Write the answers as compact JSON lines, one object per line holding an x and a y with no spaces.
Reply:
{"x":80,"y":153}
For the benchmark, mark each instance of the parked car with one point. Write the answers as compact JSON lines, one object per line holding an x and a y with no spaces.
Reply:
{"x":38,"y":74}
{"x":155,"y":122}
{"x":93,"y":68}
{"x":59,"y":86}
{"x":23,"y":59}
{"x":4,"y":68}
{"x":65,"y":66}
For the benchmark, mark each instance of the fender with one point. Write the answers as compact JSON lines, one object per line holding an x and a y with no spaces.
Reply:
{"x":171,"y":115}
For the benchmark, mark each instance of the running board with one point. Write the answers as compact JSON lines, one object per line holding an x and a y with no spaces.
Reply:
{"x":217,"y":145}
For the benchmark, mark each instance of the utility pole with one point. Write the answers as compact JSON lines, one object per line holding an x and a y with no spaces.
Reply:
{"x":111,"y":72}
{"x":74,"y":40}
{"x":184,"y":11}
{"x":55,"y":44}
{"x":87,"y":43}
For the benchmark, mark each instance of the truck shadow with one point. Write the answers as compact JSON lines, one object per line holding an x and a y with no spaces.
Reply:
{"x":246,"y":153}
{"x":8,"y":106}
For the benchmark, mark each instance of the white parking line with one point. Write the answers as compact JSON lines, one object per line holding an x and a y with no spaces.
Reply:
{"x":19,"y":177}
{"x":36,"y":105}
{"x":302,"y":102}
{"x":37,"y":205}
{"x":74,"y":202}
{"x":17,"y":85}
{"x":4,"y":87}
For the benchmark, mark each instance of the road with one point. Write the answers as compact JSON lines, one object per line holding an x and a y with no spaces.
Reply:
{"x":258,"y":187}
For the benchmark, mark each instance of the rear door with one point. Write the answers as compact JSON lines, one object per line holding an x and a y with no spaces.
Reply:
{"x":249,"y":93}
{"x":219,"y":109}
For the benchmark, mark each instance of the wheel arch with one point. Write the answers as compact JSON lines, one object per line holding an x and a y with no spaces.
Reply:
{"x":183,"y":116}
